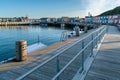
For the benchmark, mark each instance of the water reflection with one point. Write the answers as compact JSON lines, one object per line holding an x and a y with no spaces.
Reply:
{"x":14,"y":27}
{"x":27,"y":27}
{"x":32,"y":34}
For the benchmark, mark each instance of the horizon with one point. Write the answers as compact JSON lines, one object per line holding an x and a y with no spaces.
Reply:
{"x":55,"y":8}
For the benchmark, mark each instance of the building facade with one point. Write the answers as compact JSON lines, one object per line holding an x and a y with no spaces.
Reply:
{"x":111,"y":19}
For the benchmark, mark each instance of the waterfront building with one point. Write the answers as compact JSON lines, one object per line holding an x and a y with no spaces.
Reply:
{"x":51,"y":20}
{"x":72,"y":19}
{"x":34,"y":20}
{"x":25,"y":19}
{"x":101,"y":19}
{"x":89,"y":19}
{"x":94,"y":20}
{"x":4,"y":19}
{"x":110,"y":19}
{"x":77,"y":19}
{"x":116,"y":19}
{"x":43,"y":20}
{"x":82,"y":20}
{"x":104,"y":19}
{"x":15,"y":19}
{"x":86,"y":19}
{"x":65,"y":19}
{"x":54,"y":19}
{"x":97,"y":19}
{"x":59,"y":19}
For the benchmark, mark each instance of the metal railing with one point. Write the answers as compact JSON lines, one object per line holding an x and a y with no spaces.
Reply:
{"x":88,"y":43}
{"x":64,"y":36}
{"x":93,"y":43}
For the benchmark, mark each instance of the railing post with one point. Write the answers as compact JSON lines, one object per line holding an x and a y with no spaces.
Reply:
{"x":92,"y":46}
{"x":82,"y":55}
{"x":96,"y":40}
{"x":107,"y":29}
{"x":81,"y":70}
{"x":98,"y":37}
{"x":57,"y":66}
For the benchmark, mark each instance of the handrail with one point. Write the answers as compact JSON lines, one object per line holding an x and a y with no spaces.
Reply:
{"x":30,"y":71}
{"x":63,"y":36}
{"x":76,"y":56}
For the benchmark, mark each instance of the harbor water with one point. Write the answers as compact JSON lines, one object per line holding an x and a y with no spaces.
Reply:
{"x":32,"y":34}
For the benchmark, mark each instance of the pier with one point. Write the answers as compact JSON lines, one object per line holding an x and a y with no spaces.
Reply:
{"x":18,"y":23}
{"x":92,"y":56}
{"x":70,"y":24}
{"x":106,"y":65}
{"x":62,"y":24}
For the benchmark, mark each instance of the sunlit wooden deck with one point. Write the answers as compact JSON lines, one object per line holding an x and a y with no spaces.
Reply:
{"x":106,"y":65}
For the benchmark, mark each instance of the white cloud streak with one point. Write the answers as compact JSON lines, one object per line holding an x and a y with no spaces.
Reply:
{"x":98,"y":6}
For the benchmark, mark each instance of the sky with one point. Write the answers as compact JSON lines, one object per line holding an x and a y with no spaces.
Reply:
{"x":55,"y":8}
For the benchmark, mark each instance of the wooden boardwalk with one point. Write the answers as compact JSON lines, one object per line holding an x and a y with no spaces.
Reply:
{"x":45,"y":67}
{"x":47,"y":71}
{"x":106,"y":65}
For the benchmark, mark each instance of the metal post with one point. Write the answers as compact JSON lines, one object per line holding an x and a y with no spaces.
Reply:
{"x":57,"y":66}
{"x":107,"y":29}
{"x":92,"y":46}
{"x":82,"y":55}
{"x":98,"y":38}
{"x":96,"y":41}
{"x":101,"y":36}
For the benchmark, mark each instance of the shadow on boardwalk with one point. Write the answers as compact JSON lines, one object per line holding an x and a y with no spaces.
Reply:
{"x":106,"y":65}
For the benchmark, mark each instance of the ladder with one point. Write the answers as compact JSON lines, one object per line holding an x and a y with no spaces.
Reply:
{"x":64,"y":36}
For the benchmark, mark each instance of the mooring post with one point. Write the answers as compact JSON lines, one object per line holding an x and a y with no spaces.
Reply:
{"x":21,"y":50}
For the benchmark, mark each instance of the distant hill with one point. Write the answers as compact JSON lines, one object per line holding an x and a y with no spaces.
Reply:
{"x":111,"y":12}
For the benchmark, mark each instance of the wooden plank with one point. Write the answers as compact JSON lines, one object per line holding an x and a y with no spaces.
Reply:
{"x":107,"y":63}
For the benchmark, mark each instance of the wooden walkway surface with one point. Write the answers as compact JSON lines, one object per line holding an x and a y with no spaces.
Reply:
{"x":47,"y":71}
{"x":106,"y":65}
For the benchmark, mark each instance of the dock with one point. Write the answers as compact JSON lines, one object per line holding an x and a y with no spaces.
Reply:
{"x":18,"y":23}
{"x":34,"y":59}
{"x":106,"y":65}
{"x":97,"y":49}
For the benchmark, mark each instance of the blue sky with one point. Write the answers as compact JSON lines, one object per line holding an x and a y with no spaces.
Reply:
{"x":54,"y":8}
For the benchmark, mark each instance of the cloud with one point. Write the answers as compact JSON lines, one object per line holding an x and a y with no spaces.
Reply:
{"x":98,"y":6}
{"x":95,"y":7}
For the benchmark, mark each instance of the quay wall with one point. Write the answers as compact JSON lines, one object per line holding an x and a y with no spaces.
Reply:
{"x":67,"y":24}
{"x":16,"y":23}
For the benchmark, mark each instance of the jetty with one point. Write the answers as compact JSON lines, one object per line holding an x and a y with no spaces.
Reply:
{"x":18,"y":23}
{"x":106,"y":65}
{"x":92,"y":56}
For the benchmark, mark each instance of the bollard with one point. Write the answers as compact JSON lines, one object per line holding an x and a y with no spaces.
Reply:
{"x":21,"y":50}
{"x":78,"y":32}
{"x":85,"y":29}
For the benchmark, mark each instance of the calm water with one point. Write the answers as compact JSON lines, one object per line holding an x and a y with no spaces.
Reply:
{"x":33,"y":34}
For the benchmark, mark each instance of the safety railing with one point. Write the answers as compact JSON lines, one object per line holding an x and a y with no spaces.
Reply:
{"x":88,"y":43}
{"x":91,"y":45}
{"x":64,"y":36}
